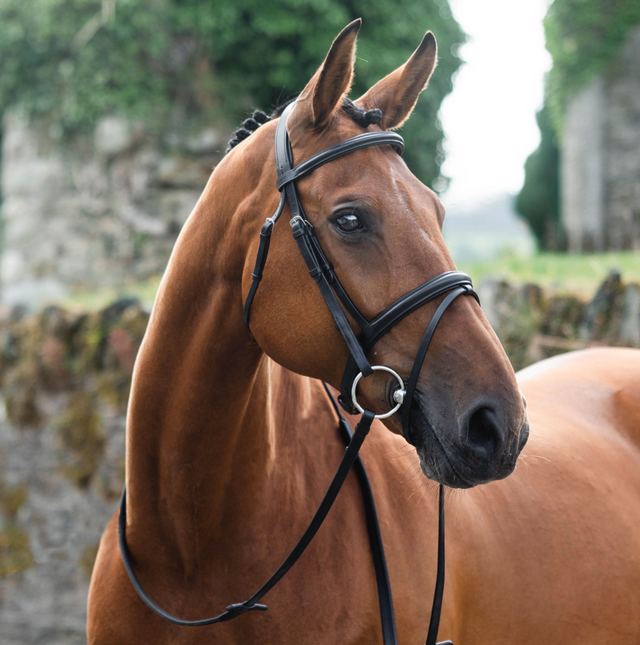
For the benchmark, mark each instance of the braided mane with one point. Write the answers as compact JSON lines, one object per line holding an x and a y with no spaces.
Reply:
{"x":357,"y":114}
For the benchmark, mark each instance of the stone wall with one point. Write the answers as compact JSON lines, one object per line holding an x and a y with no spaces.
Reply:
{"x":601,"y":158}
{"x":101,"y":209}
{"x":533,"y":324}
{"x":64,"y":384}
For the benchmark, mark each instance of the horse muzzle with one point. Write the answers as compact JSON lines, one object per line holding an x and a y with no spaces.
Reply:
{"x":481,"y":447}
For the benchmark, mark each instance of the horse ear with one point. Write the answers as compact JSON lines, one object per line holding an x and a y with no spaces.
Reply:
{"x":327,"y":86}
{"x":397,"y":94}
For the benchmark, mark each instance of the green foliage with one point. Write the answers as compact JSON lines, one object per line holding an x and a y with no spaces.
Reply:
{"x":164,"y":60}
{"x":538,"y":201}
{"x":583,"y":36}
{"x":284,"y":48}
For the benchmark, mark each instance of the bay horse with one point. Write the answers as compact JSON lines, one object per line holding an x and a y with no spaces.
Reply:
{"x":231,"y":437}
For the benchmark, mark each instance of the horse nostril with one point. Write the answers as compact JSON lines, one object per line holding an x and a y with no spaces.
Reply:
{"x":484,"y":434}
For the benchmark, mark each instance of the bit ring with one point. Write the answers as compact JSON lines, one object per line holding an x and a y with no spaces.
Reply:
{"x":398,"y":395}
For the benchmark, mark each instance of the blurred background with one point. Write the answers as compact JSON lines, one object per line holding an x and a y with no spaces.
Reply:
{"x":113,"y":113}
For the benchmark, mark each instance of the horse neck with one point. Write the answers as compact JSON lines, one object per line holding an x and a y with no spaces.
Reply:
{"x":201,"y":433}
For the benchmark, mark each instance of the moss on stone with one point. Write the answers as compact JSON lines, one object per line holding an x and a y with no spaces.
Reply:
{"x":12,"y":498}
{"x":22,"y":407}
{"x":15,"y":550}
{"x":562,"y":316}
{"x":599,"y":315}
{"x":518,"y":315}
{"x":80,"y":430}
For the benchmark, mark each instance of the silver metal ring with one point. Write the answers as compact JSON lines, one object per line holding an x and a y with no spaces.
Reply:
{"x":398,"y":395}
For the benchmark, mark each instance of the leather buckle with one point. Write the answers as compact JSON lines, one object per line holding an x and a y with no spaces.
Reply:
{"x":240,"y":608}
{"x":346,"y":406}
{"x":300,"y":220}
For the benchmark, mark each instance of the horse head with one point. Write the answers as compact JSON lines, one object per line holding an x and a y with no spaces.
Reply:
{"x":381,"y":229}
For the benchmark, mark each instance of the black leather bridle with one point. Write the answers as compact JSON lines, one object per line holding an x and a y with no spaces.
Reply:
{"x":451,"y":283}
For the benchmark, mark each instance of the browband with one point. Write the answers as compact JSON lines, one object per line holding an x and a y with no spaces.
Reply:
{"x":366,"y":140}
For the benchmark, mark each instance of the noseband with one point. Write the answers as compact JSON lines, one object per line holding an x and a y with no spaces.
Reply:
{"x":451,"y":283}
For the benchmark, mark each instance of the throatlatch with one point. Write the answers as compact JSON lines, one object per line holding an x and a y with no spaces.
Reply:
{"x":451,"y":283}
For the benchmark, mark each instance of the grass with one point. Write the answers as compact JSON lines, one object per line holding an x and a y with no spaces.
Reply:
{"x":576,"y":273}
{"x":95,"y":299}
{"x":580,"y":274}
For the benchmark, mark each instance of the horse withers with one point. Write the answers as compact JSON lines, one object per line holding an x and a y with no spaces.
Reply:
{"x":231,"y":439}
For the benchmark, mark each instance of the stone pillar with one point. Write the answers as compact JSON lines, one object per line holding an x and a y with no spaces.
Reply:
{"x":601,"y":157}
{"x":582,"y":170}
{"x":622,"y":170}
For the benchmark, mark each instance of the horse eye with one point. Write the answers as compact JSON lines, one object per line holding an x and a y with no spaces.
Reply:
{"x":349,"y":223}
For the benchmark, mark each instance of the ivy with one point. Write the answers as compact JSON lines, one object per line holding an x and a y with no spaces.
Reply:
{"x":175,"y":62}
{"x":583,"y":37}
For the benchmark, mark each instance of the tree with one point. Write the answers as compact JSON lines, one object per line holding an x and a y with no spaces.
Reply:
{"x":175,"y":61}
{"x":538,"y":201}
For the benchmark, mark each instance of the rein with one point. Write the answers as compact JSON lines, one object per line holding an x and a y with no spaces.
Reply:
{"x":451,"y":283}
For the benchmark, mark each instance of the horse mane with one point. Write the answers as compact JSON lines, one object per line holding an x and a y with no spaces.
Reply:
{"x":361,"y":117}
